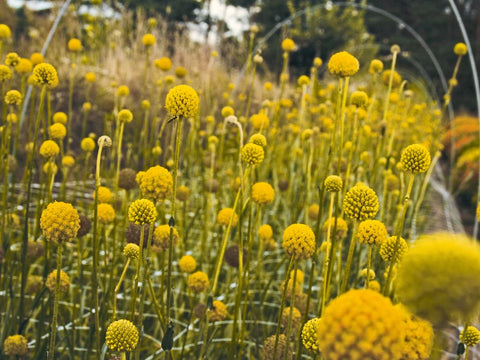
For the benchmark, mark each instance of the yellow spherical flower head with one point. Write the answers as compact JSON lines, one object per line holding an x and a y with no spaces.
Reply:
{"x":156,"y":183}
{"x":198,"y":282}
{"x":105,"y":213}
{"x":122,"y":336}
{"x":187,"y":264}
{"x":161,"y":237}
{"x":360,"y":202}
{"x":123,"y":91}
{"x":5,"y":73}
{"x":460,"y":49}
{"x":13,"y":97}
{"x":12,"y":59}
{"x":24,"y":66}
{"x":218,"y":312}
{"x":57,"y":131}
{"x":227,"y":111}
{"x":226,"y":215}
{"x":371,"y":232}
{"x":142,"y":212}
{"x":182,"y":100}
{"x":180,"y":72}
{"x":51,"y":281}
{"x":343,"y":64}
{"x":376,"y":66}
{"x":303,"y":80}
{"x":393,"y":249}
{"x":183,"y":193}
{"x":131,"y":251}
{"x":148,"y":40}
{"x":90,"y":77}
{"x":15,"y":345}
{"x":333,"y":183}
{"x":50,"y":168}
{"x":265,"y":232}
{"x":296,"y":318}
{"x":125,"y":116}
{"x":163,"y":63}
{"x":288,"y":45}
{"x":258,"y":139}
{"x":359,"y":98}
{"x":87,"y":144}
{"x":5,"y":32}
{"x":361,"y":324}
{"x":49,"y":148}
{"x":36,"y":58}
{"x":59,"y":222}
{"x":45,"y":74}
{"x":259,"y":121}
{"x":418,"y":336}
{"x":312,"y":211}
{"x":68,"y":161}
{"x":471,"y":337}
{"x":438,"y":278}
{"x":262,"y":193}
{"x":74,"y":45}
{"x":392,"y":182}
{"x":342,"y":227}
{"x":299,"y":241}
{"x":415,"y":158}
{"x":252,"y":154}
{"x":270,"y":352}
{"x":104,"y":195}
{"x":309,"y":335}
{"x":396,"y":81}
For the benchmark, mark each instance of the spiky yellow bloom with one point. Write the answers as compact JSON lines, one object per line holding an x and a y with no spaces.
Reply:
{"x":187,"y":264}
{"x":309,"y":335}
{"x":49,"y":148}
{"x":148,"y":40}
{"x":105,"y":213}
{"x":263,"y":193}
{"x":446,"y":265}
{"x":333,"y":183}
{"x":224,"y":216}
{"x":387,"y":249}
{"x":415,"y":158}
{"x":24,"y":66}
{"x":396,"y":81}
{"x":161,"y":237}
{"x":471,"y":337}
{"x":288,"y":45}
{"x":259,"y":121}
{"x":227,"y":111}
{"x":252,"y":154}
{"x":156,"y":183}
{"x":343,"y":64}
{"x":460,"y":49}
{"x":163,"y":63}
{"x":360,"y":202}
{"x":15,"y":345}
{"x":5,"y":73}
{"x":198,"y":282}
{"x":342,"y":227}
{"x":359,"y":98}
{"x":59,"y":222}
{"x":13,"y":97}
{"x":361,"y":324}
{"x":265,"y":232}
{"x":5,"y":32}
{"x":131,"y":251}
{"x":87,"y":144}
{"x":45,"y":74}
{"x":371,"y":232}
{"x":51,"y":281}
{"x":218,"y":312}
{"x":142,"y":211}
{"x":12,"y":59}
{"x":299,"y":241}
{"x":125,"y":116}
{"x":283,"y":347}
{"x":258,"y":139}
{"x":182,"y":100}
{"x":122,"y":336}
{"x":57,"y":131}
{"x":74,"y":45}
{"x":303,"y":80}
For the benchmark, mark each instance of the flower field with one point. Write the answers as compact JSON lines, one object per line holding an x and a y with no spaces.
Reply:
{"x":158,"y":204}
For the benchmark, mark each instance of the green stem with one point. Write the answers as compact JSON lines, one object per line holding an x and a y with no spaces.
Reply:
{"x":351,"y":250}
{"x":53,"y":332}
{"x":117,"y":288}
{"x":327,"y":256}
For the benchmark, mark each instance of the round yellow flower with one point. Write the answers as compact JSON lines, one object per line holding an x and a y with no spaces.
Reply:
{"x":156,"y":183}
{"x":51,"y":281}
{"x":288,"y":45}
{"x":104,"y":195}
{"x":15,"y":345}
{"x":5,"y":73}
{"x":125,"y":116}
{"x":360,"y":202}
{"x":283,"y":346}
{"x":376,"y":66}
{"x":163,"y":63}
{"x":57,"y":131}
{"x":342,"y":227}
{"x":161,"y":237}
{"x":309,"y":335}
{"x":24,"y":66}
{"x":343,"y":64}
{"x":460,"y":49}
{"x":219,"y":311}
{"x":396,"y":81}
{"x":198,"y":282}
{"x":252,"y":154}
{"x":263,"y":193}
{"x":361,"y":324}
{"x":187,"y":264}
{"x":387,"y":249}
{"x":68,"y":161}
{"x":182,"y":100}
{"x":59,"y":222}
{"x":224,"y":216}
{"x":90,"y":77}
{"x":415,"y":158}
{"x":123,"y":90}
{"x":60,"y":118}
{"x":183,"y":193}
{"x":49,"y":148}
{"x":438,"y":278}
{"x":12,"y":59}
{"x":45,"y":74}
{"x":142,"y":211}
{"x":418,"y":336}
{"x":87,"y":144}
{"x":13,"y":97}
{"x":122,"y":336}
{"x":74,"y":45}
{"x":148,"y":40}
{"x":5,"y":32}
{"x":265,"y":232}
{"x":180,"y":72}
{"x":258,"y":139}
{"x":299,"y":241}
{"x":259,"y":121}
{"x":471,"y":337}
{"x":227,"y":111}
{"x":36,"y":58}
{"x":131,"y":251}
{"x":296,"y":318}
{"x":333,"y":183}
{"x":371,"y":232}
{"x":359,"y":98}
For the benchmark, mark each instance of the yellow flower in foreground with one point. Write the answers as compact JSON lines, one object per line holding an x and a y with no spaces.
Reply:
{"x":343,"y":64}
{"x":299,"y":241}
{"x":182,"y":100}
{"x":59,"y":222}
{"x":121,"y":336}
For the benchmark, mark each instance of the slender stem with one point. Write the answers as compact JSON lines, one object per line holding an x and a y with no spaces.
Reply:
{"x":137,"y":273}
{"x":351,"y":250}
{"x":117,"y":288}
{"x":51,"y":351}
{"x":369,"y":264}
{"x":327,"y":255}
